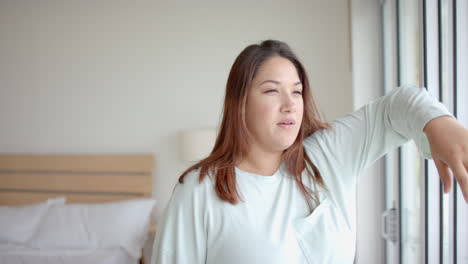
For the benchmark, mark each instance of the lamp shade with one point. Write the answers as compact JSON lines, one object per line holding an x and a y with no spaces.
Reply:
{"x":196,"y":144}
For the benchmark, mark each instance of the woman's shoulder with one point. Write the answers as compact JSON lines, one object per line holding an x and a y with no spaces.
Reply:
{"x":194,"y":185}
{"x":337,"y":131}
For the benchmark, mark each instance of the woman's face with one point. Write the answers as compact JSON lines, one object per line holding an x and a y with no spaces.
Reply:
{"x":274,"y":105}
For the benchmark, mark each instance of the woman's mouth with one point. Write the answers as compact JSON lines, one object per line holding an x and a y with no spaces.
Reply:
{"x":287,"y":123}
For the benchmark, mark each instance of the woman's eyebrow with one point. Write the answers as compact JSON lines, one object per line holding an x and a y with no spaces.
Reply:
{"x":276,"y":82}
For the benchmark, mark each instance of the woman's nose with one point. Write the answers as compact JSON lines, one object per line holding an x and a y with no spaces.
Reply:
{"x":288,"y":104}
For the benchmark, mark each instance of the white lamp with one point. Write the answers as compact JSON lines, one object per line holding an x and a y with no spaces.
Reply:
{"x":196,"y":144}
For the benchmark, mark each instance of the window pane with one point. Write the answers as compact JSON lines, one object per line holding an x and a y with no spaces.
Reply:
{"x":390,"y":82}
{"x":412,"y":184}
{"x":447,"y":96}
{"x":462,"y":115}
{"x":432,"y":82}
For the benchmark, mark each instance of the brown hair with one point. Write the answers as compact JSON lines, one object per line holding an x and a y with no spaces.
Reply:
{"x":231,"y":143}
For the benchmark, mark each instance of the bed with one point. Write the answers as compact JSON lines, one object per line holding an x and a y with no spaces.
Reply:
{"x":75,"y":208}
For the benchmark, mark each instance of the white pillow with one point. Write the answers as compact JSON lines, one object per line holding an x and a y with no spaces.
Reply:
{"x":19,"y":223}
{"x":90,"y":226}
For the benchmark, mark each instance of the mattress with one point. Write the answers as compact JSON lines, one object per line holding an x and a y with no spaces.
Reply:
{"x":17,"y":255}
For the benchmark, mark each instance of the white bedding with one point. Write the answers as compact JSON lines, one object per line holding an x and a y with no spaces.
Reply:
{"x":16,"y":255}
{"x":102,"y":233}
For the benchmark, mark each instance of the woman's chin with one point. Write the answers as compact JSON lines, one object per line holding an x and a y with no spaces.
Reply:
{"x":284,"y":145}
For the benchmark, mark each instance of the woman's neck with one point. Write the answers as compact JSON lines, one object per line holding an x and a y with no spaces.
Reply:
{"x":261,"y":162}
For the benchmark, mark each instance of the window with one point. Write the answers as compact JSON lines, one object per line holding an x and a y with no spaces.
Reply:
{"x":423,"y":42}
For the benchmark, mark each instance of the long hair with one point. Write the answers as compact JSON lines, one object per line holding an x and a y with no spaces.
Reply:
{"x":232,"y":140}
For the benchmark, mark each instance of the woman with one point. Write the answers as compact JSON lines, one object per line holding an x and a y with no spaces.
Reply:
{"x":279,"y":185}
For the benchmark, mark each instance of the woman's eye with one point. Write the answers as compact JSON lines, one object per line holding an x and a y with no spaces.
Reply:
{"x":269,"y":91}
{"x":298,"y":92}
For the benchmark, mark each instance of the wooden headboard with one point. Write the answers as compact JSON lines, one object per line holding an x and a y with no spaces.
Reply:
{"x":87,"y":178}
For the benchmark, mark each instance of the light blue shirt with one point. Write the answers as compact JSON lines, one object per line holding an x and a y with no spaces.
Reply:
{"x":274,"y":223}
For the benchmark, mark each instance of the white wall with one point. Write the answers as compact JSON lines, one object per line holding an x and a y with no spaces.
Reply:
{"x":367,"y":85}
{"x":125,"y":76}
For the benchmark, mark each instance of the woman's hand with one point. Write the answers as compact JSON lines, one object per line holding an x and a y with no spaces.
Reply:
{"x":448,"y":141}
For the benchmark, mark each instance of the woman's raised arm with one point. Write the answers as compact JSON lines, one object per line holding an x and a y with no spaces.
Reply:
{"x":358,"y":139}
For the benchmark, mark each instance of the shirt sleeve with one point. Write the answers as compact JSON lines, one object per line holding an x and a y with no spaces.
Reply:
{"x":357,"y":140}
{"x":180,"y":235}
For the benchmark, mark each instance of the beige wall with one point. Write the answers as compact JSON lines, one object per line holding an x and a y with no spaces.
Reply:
{"x":126,"y":76}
